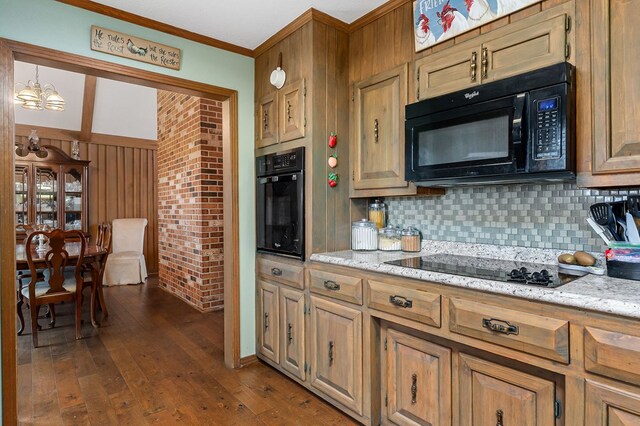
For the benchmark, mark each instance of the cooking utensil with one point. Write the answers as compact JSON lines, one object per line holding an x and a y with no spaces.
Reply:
{"x":623,"y":225}
{"x":632,"y":229}
{"x":602,"y":232}
{"x":588,"y":269}
{"x":603,"y":215}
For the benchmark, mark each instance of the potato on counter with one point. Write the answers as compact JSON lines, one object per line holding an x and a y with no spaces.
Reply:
{"x":584,"y":259}
{"x":567,"y":259}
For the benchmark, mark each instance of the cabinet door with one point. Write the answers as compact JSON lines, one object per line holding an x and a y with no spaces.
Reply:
{"x":378,"y":160}
{"x":268,"y":321}
{"x":22,"y":195}
{"x":292,"y":121}
{"x":452,"y":69}
{"x":609,"y":406}
{"x":293,"y":336}
{"x":267,"y":121}
{"x":615,"y":87}
{"x":534,"y":43}
{"x":336,"y":352}
{"x":418,"y":381}
{"x":491,"y":394}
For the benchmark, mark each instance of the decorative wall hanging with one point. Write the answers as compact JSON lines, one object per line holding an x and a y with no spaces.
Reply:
{"x":278,"y":76}
{"x":127,"y":46}
{"x":438,"y":20}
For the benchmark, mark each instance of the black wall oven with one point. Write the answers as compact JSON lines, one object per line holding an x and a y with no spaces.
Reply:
{"x":513,"y":130}
{"x":280,"y":203}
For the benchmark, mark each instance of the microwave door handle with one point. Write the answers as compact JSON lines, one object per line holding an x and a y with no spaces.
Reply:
{"x":518,"y":115}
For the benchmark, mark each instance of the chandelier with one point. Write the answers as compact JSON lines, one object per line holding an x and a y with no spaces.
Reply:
{"x":36,"y":97}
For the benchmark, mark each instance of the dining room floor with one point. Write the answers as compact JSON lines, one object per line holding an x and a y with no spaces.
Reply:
{"x":154,"y":360}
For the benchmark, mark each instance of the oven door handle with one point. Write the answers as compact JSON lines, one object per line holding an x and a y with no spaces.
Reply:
{"x":289,"y":177}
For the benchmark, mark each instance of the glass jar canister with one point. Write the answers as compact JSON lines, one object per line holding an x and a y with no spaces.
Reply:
{"x":389,"y":239}
{"x":411,"y":240}
{"x":378,"y":213}
{"x":364,"y":235}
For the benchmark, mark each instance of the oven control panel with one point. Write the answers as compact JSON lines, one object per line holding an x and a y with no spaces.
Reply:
{"x":547,"y":129}
{"x":280,"y":162}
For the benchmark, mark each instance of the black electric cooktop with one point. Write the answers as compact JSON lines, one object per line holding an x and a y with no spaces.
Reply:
{"x":534,"y":274}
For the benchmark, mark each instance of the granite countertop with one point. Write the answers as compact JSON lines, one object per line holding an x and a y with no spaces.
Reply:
{"x":591,"y":292}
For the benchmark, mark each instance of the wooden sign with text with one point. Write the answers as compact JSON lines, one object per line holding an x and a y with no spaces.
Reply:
{"x":120,"y":44}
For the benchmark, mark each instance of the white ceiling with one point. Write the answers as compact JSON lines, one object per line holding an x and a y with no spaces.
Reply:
{"x":246,"y":23}
{"x":120,"y":109}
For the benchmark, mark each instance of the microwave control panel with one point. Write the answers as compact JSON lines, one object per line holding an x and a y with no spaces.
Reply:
{"x":547,"y":129}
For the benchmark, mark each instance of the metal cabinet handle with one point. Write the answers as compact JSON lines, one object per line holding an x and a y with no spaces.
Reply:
{"x":375,"y":130}
{"x":266,"y":320}
{"x":330,"y":353}
{"x":265,"y":120}
{"x":499,"y":415}
{"x":276,"y":271}
{"x":290,"y":332}
{"x":400,"y":301}
{"x":500,"y":326}
{"x":474,"y":65}
{"x":331,"y":285}
{"x":414,"y":388}
{"x":288,"y":110}
{"x":485,"y":62}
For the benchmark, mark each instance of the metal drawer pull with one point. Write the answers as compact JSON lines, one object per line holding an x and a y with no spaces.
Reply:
{"x":500,"y":326}
{"x":276,"y":271}
{"x":375,"y":130}
{"x":266,"y":320}
{"x":330,"y":353}
{"x":499,"y":415}
{"x":414,"y":388}
{"x":265,"y":120}
{"x":485,"y":62}
{"x":331,"y":285}
{"x":288,"y":110}
{"x":400,"y":301}
{"x":474,"y":65}
{"x":290,"y":333}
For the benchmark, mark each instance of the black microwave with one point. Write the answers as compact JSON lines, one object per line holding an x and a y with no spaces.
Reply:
{"x":513,"y":130}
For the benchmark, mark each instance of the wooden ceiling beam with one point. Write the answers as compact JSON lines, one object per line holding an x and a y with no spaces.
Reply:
{"x":88,"y":105}
{"x":23,"y":130}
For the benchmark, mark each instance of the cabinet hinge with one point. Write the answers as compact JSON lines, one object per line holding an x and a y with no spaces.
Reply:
{"x":305,"y":122}
{"x":305,"y":367}
{"x":418,"y":75}
{"x":385,"y":343}
{"x":304,"y":312}
{"x":567,"y":50}
{"x":556,"y":408}
{"x":386,"y":401}
{"x":418,"y":93}
{"x":304,"y":89}
{"x":353,"y":95}
{"x":567,"y":26}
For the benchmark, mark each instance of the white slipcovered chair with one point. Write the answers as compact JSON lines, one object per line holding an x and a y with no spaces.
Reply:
{"x":126,"y":264}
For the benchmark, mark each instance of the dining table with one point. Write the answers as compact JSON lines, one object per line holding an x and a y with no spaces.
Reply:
{"x":92,"y":257}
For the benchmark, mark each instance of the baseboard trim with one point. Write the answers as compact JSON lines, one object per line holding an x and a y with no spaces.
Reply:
{"x":248,"y":360}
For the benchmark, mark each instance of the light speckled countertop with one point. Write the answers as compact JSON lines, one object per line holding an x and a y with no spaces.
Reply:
{"x":591,"y":292}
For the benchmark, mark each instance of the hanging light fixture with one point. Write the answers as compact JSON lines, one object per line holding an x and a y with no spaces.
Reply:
{"x":33,"y":96}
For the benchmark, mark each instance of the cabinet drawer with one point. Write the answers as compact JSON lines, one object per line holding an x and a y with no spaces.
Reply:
{"x":535,"y":334}
{"x":612,"y":354}
{"x":284,"y":273}
{"x":405,"y":302}
{"x":337,"y":286}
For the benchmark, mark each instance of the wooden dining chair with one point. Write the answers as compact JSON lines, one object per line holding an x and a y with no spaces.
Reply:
{"x":94,"y":279}
{"x":54,"y":288}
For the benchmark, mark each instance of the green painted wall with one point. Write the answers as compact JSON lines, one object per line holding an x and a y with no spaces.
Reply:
{"x":58,"y":26}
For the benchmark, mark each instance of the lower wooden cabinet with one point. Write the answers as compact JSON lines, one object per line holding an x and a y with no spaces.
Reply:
{"x":609,"y":406}
{"x":268,"y":321}
{"x":418,"y":381}
{"x":491,"y":394}
{"x":336,"y":352}
{"x":292,"y":334}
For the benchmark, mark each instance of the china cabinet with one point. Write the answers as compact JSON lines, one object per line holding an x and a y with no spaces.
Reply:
{"x":51,"y":191}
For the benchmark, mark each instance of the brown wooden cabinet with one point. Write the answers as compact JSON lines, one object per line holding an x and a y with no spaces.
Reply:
{"x":608,"y":91}
{"x":610,"y":406}
{"x":417,"y":388}
{"x":491,"y":394}
{"x":267,"y":117}
{"x":378,"y":144}
{"x":525,"y":45}
{"x":336,"y":352}
{"x":281,"y":115}
{"x":292,"y":333}
{"x":268,"y":321}
{"x":51,"y":191}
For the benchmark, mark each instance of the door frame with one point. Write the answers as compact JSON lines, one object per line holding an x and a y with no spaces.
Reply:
{"x":13,"y":50}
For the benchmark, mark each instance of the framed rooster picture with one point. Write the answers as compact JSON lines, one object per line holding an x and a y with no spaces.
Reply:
{"x":438,"y":20}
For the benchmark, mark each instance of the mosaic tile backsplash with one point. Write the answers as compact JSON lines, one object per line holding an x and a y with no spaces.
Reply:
{"x":528,"y":215}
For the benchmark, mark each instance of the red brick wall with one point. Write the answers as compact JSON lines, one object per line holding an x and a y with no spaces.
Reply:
{"x":190,"y":223}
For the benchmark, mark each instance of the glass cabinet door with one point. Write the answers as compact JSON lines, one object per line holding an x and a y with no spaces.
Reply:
{"x":73,"y":197}
{"x":46,"y":196}
{"x":22,"y":195}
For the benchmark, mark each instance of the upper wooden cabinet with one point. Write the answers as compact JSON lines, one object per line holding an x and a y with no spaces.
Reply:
{"x":608,"y":113}
{"x":525,"y":45}
{"x":378,"y":143}
{"x":281,"y":115}
{"x":267,"y":121}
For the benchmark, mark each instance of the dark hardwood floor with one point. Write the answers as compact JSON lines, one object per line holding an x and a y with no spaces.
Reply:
{"x":155,"y":360}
